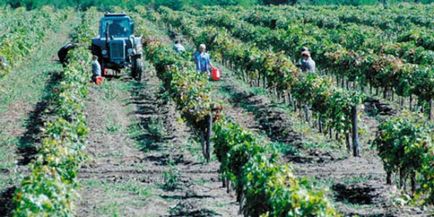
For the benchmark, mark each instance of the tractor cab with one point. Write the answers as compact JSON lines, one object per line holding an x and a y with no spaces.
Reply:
{"x":116,"y":26}
{"x":116,"y":46}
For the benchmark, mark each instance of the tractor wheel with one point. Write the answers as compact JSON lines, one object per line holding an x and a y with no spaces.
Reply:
{"x":137,"y":69}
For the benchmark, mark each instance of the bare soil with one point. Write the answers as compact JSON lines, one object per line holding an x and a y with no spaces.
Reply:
{"x":130,"y":169}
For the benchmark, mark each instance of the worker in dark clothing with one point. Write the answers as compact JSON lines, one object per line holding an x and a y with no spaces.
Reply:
{"x":205,"y":126}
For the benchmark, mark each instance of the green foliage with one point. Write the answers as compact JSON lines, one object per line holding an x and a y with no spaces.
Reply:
{"x":272,"y":190}
{"x":285,"y":149}
{"x":406,"y":147}
{"x":109,"y":4}
{"x":49,"y":189}
{"x":277,"y":2}
{"x":267,"y":185}
{"x":171,"y":178}
{"x":277,"y":71}
{"x":156,"y":128}
{"x":23,"y":31}
{"x":189,"y":89}
{"x":235,"y":147}
{"x":367,"y":54}
{"x":179,"y":4}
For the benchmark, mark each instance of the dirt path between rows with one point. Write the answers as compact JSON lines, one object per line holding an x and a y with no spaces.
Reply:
{"x":22,"y":110}
{"x":144,"y":160}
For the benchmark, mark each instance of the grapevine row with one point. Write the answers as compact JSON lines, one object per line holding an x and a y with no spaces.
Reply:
{"x":405,"y":148}
{"x":412,"y":37}
{"x":264,"y":185}
{"x":24,"y":30}
{"x":385,"y":71}
{"x":335,"y":108}
{"x":396,"y":19}
{"x":49,"y":189}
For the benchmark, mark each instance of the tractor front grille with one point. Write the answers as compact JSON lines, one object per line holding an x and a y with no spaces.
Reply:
{"x":117,"y":50}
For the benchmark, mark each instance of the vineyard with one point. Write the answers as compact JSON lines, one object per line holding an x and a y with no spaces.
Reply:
{"x":354,"y":138}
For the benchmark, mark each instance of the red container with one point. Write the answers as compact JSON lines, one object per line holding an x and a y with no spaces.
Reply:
{"x":99,"y":80}
{"x":215,"y":74}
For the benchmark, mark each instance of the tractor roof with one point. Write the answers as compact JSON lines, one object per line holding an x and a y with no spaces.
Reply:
{"x":115,"y":15}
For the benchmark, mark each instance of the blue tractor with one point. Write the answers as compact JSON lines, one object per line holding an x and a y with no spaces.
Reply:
{"x":116,"y":46}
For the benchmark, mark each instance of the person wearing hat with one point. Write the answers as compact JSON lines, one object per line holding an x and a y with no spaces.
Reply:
{"x":202,"y":60}
{"x":304,"y":49}
{"x":306,"y":63}
{"x":179,"y":48}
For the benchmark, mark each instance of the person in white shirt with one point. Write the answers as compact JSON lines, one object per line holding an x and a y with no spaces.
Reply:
{"x":96,"y":68}
{"x":179,"y":48}
{"x":3,"y":62}
{"x":307,"y":63}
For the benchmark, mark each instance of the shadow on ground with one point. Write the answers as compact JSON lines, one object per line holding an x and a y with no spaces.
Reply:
{"x":26,"y":144}
{"x":6,"y":204}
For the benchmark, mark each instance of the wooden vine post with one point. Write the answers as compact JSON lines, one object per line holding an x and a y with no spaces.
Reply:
{"x":206,"y":135}
{"x":355,"y":136}
{"x":431,"y":110}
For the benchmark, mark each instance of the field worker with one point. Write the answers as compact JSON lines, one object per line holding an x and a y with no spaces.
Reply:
{"x":96,"y":68}
{"x":307,"y":64}
{"x":179,"y":48}
{"x":303,"y":49}
{"x":202,"y":60}
{"x":3,"y":62}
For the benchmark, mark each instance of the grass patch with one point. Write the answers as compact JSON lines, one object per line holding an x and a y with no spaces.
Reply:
{"x":113,"y":89}
{"x":113,"y":197}
{"x":112,"y":126}
{"x":133,"y":188}
{"x":260,"y":91}
{"x":171,"y":178}
{"x":136,"y":132}
{"x":156,"y":128}
{"x":325,"y":146}
{"x":120,"y":189}
{"x":286,"y":149}
{"x":8,"y":173}
{"x":356,"y":179}
{"x":200,"y":181}
{"x":195,"y":150}
{"x":110,"y":209}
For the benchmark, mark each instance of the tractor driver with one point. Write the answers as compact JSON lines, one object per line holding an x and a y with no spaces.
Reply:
{"x":116,"y":28}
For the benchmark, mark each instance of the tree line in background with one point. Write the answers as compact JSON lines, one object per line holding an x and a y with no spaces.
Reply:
{"x":179,"y":4}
